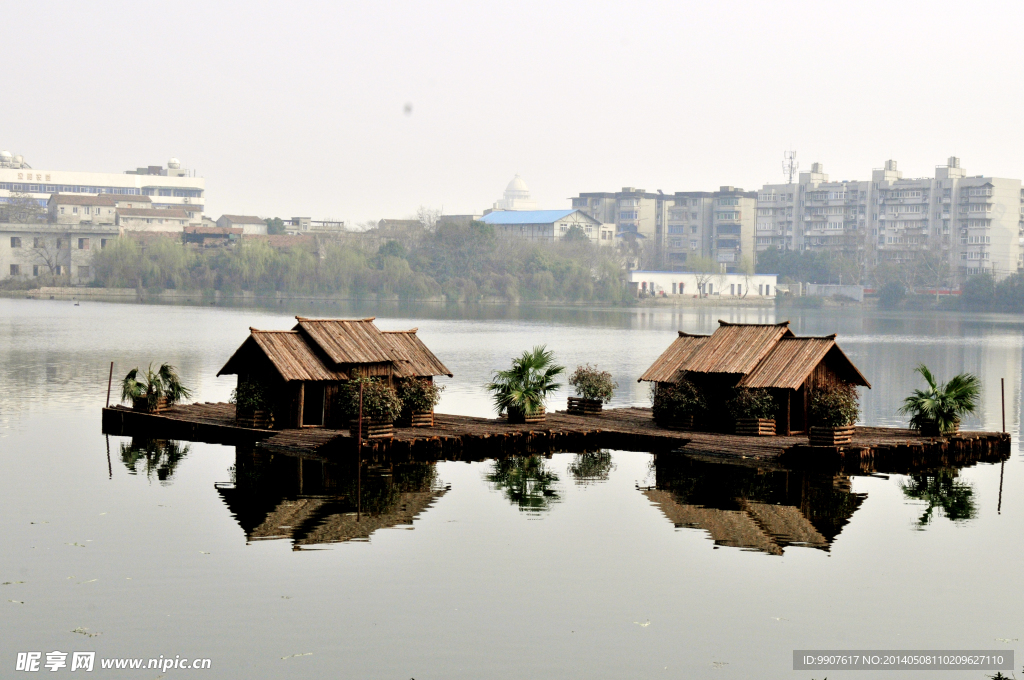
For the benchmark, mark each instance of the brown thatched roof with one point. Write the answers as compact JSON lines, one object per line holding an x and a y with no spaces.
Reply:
{"x":792,"y":360}
{"x":326,"y":349}
{"x":288,"y":352}
{"x":765,"y":355}
{"x":413,"y":358}
{"x":347,"y":341}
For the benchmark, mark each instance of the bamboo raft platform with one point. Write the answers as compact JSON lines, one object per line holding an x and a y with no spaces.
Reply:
{"x":631,"y":429}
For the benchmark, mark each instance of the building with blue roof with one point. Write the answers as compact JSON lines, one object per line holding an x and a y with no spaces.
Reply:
{"x":548,"y":225}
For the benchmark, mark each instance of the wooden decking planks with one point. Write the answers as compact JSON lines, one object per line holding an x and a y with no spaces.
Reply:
{"x":468,"y":438}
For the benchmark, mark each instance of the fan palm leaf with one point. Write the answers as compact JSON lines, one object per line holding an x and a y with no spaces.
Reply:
{"x":941,"y":405}
{"x":526,"y":385}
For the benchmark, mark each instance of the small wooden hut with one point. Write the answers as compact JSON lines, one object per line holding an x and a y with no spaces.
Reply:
{"x":765,"y":356}
{"x":304,"y":368}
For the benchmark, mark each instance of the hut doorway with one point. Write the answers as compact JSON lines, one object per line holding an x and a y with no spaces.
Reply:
{"x":313,"y":404}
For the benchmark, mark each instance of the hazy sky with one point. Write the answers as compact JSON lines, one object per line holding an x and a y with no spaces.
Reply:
{"x":299,"y":108}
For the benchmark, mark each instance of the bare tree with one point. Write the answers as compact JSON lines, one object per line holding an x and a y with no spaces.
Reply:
{"x":428,"y":217}
{"x":22,"y":208}
{"x":47,"y":252}
{"x":746,"y":268}
{"x":934,"y":270}
{"x":704,"y":269}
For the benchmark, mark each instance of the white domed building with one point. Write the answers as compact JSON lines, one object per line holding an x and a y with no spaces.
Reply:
{"x":517,"y":196}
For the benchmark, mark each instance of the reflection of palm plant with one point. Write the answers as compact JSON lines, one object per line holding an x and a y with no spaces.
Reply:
{"x":161,"y":457}
{"x":164,"y":382}
{"x":591,"y":467}
{"x":526,"y":482}
{"x":943,"y":490}
{"x":941,"y":406}
{"x":525,"y":387}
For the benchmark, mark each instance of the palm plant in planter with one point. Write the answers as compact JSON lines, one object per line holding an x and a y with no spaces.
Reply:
{"x":522,"y":390}
{"x":938,"y":409}
{"x":381,"y":407}
{"x":419,"y":397}
{"x":593,"y":389}
{"x":677,"y":404}
{"x":753,"y":410}
{"x":253,"y":404}
{"x":833,"y":410}
{"x":155,"y":390}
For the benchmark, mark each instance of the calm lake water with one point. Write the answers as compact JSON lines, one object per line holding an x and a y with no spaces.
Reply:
{"x":608,"y":565}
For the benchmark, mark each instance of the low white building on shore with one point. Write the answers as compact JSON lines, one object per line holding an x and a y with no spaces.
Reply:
{"x":651,"y":283}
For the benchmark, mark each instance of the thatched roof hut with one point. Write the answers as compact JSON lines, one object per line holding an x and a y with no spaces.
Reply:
{"x":757,"y":356}
{"x":306,"y":366}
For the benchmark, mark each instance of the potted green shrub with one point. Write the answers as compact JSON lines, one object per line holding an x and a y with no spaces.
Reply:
{"x":938,"y":410}
{"x":521,"y":391}
{"x":594,"y":388}
{"x":753,"y":410}
{"x":419,"y":397}
{"x":381,"y":407}
{"x":154,"y":391}
{"x":253,"y":405}
{"x":678,"y":405}
{"x":832,"y":411}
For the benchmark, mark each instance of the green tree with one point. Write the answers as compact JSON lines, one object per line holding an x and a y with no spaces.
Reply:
{"x":891,"y":295}
{"x":275,"y":225}
{"x":979,"y":292}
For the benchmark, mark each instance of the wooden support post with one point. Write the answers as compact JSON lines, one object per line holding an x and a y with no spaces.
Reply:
{"x":1002,"y":399}
{"x":110,"y":379}
{"x":359,"y":457}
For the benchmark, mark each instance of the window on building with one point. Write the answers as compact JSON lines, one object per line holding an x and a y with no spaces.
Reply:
{"x":74,"y":209}
{"x":60,"y":270}
{"x":62,"y":210}
{"x":83,"y":244}
{"x":15,"y":241}
{"x":35,"y":270}
{"x":15,"y":270}
{"x":693,"y":245}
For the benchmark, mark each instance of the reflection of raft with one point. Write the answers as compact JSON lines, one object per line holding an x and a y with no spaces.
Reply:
{"x":627,"y":429}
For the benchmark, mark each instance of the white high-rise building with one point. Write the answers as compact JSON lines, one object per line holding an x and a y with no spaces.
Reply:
{"x":973,"y":224}
{"x":170,"y":187}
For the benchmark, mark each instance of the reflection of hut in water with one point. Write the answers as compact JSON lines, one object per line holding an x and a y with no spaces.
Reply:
{"x":752,"y":508}
{"x":756,"y":356}
{"x":305,"y":368}
{"x":313,"y":501}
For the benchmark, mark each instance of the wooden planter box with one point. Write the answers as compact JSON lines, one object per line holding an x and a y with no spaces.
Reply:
{"x":830,"y":436}
{"x":680,"y":423}
{"x":416,"y":419}
{"x":520,"y":418}
{"x":932,"y":430}
{"x":578,"y":406}
{"x":756,"y":427}
{"x":141,"y":404}
{"x":259,"y":419}
{"x":373,"y":429}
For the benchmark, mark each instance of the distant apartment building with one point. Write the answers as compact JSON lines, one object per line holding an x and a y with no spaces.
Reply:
{"x":44,"y":249}
{"x":249,"y":224}
{"x":974,"y":224}
{"x":306,"y":225}
{"x":675,"y":228}
{"x":631,"y":210}
{"x":170,"y":187}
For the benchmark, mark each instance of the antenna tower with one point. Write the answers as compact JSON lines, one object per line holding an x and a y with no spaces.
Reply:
{"x":789,"y":165}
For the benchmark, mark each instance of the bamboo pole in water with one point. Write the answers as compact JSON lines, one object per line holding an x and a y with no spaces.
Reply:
{"x":1002,"y":399}
{"x":110,"y":379}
